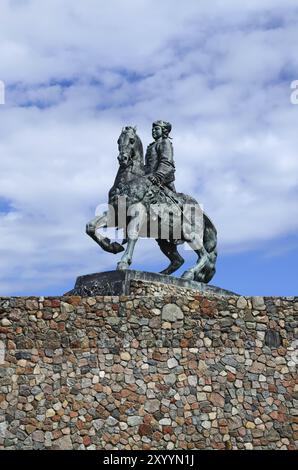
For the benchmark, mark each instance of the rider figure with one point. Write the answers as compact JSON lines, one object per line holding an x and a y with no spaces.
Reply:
{"x":159,"y":159}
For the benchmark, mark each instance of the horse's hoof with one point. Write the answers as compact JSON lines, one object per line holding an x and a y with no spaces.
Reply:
{"x":189,"y":276}
{"x":173,"y":267}
{"x":122,"y":266}
{"x":90,"y":229}
{"x":116,"y":248}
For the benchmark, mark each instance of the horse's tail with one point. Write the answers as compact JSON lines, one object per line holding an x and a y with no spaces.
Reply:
{"x":210,"y":245}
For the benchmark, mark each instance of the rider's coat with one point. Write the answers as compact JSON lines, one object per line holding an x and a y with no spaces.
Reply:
{"x":159,"y":161}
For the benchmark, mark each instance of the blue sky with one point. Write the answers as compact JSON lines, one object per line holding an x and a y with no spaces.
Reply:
{"x":76,"y":72}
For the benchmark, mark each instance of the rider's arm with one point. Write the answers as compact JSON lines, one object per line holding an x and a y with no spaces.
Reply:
{"x":166,"y":167}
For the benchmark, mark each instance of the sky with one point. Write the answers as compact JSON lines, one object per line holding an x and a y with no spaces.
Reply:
{"x":76,"y":72}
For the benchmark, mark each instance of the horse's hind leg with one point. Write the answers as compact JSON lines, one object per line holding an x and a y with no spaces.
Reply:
{"x":197,"y":244}
{"x":170,"y":250}
{"x":206,"y":273}
{"x":204,"y":269}
{"x":192,"y":274}
{"x":210,"y":243}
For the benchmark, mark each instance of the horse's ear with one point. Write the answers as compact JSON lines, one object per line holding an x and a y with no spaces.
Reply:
{"x":135,"y":128}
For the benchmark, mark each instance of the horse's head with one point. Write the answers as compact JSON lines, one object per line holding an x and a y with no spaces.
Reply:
{"x":127,"y":145}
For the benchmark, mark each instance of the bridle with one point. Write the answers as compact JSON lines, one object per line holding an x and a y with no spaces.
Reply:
{"x":124,"y":155}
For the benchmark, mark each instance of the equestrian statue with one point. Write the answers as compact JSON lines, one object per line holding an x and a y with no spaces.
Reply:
{"x":144,"y":203}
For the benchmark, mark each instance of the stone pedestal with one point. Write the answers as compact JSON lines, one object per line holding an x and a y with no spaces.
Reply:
{"x":125,"y":282}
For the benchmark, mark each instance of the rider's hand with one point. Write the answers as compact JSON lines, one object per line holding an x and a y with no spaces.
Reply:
{"x":154,"y":179}
{"x":151,"y":197}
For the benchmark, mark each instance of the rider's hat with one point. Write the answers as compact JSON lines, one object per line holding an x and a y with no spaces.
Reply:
{"x":166,"y":126}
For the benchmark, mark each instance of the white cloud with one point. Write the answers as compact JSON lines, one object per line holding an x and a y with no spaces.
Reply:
{"x":220,"y":72}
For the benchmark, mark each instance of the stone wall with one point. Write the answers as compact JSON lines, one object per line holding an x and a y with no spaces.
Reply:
{"x":155,"y":370}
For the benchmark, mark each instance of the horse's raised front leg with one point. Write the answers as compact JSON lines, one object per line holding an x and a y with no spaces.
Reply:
{"x":133,"y":230}
{"x":104,"y":242}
